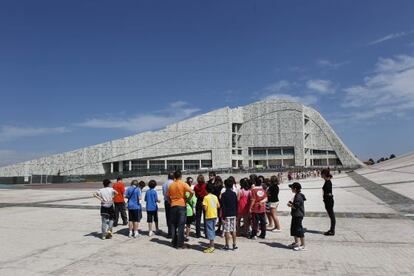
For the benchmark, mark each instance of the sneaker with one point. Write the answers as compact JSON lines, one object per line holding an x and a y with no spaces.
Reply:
{"x":130,"y":235}
{"x":209,"y":250}
{"x":109,"y":235}
{"x":150,"y":234}
{"x":103,"y":237}
{"x":136,"y":235}
{"x":226,"y":247}
{"x":299,"y":248}
{"x":235,"y":247}
{"x":293,"y":245}
{"x":329,"y":233}
{"x":125,"y":223}
{"x":253,"y":237}
{"x":262,"y":237}
{"x":276,"y":230}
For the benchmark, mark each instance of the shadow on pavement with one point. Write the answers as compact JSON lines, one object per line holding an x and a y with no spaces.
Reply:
{"x":94,"y":234}
{"x":276,"y":245}
{"x":314,"y":231}
{"x":123,"y":231}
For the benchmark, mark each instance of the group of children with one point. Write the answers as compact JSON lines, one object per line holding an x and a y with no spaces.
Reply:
{"x":224,"y":205}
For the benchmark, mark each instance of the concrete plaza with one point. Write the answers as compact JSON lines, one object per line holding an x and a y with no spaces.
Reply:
{"x":54,"y":231}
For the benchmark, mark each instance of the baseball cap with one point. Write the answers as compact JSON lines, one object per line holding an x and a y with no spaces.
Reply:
{"x":295,"y":185}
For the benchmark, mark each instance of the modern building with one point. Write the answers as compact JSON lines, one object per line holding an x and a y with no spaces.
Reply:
{"x":271,"y":133}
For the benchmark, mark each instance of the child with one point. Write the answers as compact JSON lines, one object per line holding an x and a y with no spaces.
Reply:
{"x":258,"y":209}
{"x":141,"y":185}
{"x":243,"y":212}
{"x":298,"y":212}
{"x":190,"y":204}
{"x":151,"y":199}
{"x":229,"y":208}
{"x":210,"y":204}
{"x":106,"y":195}
{"x":134,"y":208}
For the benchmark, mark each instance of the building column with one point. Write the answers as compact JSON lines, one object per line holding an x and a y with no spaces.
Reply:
{"x":182,"y":168}
{"x":112,"y":167}
{"x":165,"y":164}
{"x":199,"y":164}
{"x":148,"y":164}
{"x":282,"y":162}
{"x":130,"y":165}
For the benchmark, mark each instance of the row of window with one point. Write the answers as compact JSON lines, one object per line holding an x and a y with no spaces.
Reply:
{"x":319,"y":152}
{"x":271,"y":151}
{"x":171,"y":165}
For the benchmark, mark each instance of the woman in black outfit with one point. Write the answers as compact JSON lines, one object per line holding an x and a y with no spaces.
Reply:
{"x":328,"y":200}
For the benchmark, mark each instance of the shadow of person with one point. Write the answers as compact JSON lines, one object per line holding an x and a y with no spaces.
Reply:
{"x":276,"y":245}
{"x":123,"y":231}
{"x":314,"y":231}
{"x":94,"y":234}
{"x":162,"y":242}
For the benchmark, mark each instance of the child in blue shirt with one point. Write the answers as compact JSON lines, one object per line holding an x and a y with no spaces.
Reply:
{"x":151,"y":199}
{"x":133,"y":194}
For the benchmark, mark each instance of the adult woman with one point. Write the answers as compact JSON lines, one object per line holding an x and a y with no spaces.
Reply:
{"x":273,"y":200}
{"x":243,"y":212}
{"x":328,"y":200}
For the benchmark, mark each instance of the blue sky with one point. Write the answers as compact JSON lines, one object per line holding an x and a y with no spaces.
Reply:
{"x":77,"y":73}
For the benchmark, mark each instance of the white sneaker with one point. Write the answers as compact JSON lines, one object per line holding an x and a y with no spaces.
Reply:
{"x":150,"y":233}
{"x":136,"y":235}
{"x":130,"y":235}
{"x":276,"y":230}
{"x":299,"y":248}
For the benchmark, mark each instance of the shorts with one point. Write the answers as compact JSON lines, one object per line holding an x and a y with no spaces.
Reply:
{"x":190,"y":220}
{"x":274,"y":205}
{"x":134,"y":215}
{"x":296,"y":228}
{"x":152,"y":216}
{"x":230,"y":224}
{"x":210,"y":229}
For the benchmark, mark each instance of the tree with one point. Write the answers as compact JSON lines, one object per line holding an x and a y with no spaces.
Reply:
{"x":392,"y":156}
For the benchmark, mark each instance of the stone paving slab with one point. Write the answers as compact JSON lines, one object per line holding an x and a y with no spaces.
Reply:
{"x":397,"y":201}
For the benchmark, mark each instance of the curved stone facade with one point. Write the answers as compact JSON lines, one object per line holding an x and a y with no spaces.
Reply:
{"x":274,"y":134}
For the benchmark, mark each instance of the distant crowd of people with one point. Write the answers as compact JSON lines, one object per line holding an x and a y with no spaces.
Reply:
{"x":216,"y":207}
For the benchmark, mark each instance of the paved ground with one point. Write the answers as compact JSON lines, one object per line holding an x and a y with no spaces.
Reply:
{"x":54,"y":232}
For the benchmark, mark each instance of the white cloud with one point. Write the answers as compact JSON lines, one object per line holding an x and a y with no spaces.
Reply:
{"x":176,"y":111}
{"x":8,"y":157}
{"x":329,"y":64}
{"x":285,"y":90}
{"x":306,"y":100}
{"x":390,"y":37}
{"x":8,"y":133}
{"x":390,"y":89}
{"x":320,"y":86}
{"x":278,"y":87}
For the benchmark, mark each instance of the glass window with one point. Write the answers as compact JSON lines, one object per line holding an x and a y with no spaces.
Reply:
{"x":259,"y":152}
{"x":191,"y":164}
{"x":319,"y":152}
{"x":157,"y":165}
{"x":173,"y":165}
{"x":275,"y":152}
{"x":139,"y":165}
{"x":206,"y":164}
{"x":288,"y":151}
